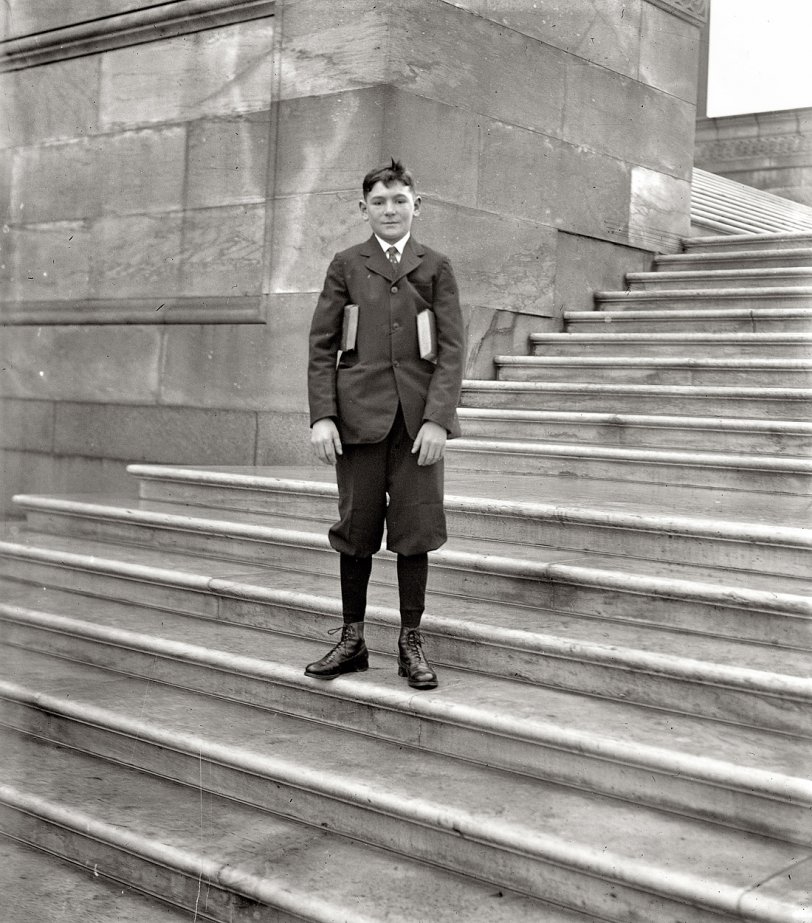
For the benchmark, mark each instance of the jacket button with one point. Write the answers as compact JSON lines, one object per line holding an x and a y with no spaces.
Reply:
{"x":393,"y":289}
{"x":396,"y":363}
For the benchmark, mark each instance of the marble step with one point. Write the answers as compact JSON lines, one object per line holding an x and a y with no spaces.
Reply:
{"x":641,"y":431}
{"x":663,"y":370}
{"x":36,"y":885}
{"x":770,"y":303}
{"x":615,"y":651}
{"x":747,"y":778}
{"x":793,"y":404}
{"x":736,"y":259}
{"x":723,"y":243}
{"x":236,"y":517}
{"x":667,"y":280}
{"x":224,"y":859}
{"x":696,"y":345}
{"x":638,"y":316}
{"x":701,"y":470}
{"x":597,"y":855}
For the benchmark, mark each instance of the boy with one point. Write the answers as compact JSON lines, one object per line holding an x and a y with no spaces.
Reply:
{"x":381,"y":414}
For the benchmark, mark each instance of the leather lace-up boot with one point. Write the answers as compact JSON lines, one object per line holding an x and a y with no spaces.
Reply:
{"x":348,"y":656}
{"x":412,"y":661}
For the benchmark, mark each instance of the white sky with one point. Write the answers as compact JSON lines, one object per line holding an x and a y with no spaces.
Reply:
{"x":760,"y":56}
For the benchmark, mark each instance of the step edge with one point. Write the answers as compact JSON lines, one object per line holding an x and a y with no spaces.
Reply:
{"x":766,"y":783}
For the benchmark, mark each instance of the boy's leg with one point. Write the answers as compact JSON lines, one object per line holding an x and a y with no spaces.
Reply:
{"x":360,"y":473}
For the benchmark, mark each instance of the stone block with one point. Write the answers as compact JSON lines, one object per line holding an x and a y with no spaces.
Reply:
{"x":59,"y":101}
{"x":623,"y":118}
{"x":669,"y":53}
{"x":24,"y":473}
{"x":440,"y":143}
{"x":333,"y":47}
{"x":26,"y":425}
{"x":223,"y":251}
{"x":307,"y":231}
{"x":227,"y":161}
{"x":6,"y":175}
{"x":155,"y":434}
{"x":501,"y":262}
{"x":81,"y":363}
{"x":219,"y":72}
{"x":122,"y":173}
{"x":284,"y":439}
{"x":136,"y":255}
{"x":327,"y":143}
{"x":659,"y":212}
{"x":44,"y":261}
{"x":585,"y":265}
{"x":497,"y":333}
{"x":469,"y":62}
{"x":605,"y":32}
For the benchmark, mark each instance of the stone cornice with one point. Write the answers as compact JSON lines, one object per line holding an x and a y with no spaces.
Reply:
{"x":167,"y":20}
{"x":753,"y":135}
{"x":695,"y":11}
{"x":246,"y":309}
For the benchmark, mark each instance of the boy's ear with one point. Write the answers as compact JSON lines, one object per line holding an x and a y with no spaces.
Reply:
{"x":362,"y":205}
{"x":416,"y":205}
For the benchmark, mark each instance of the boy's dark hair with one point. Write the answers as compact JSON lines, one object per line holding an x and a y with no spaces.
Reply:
{"x":394,"y":172}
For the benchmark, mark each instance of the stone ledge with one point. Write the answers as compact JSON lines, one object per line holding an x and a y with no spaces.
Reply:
{"x":245,"y":309}
{"x":168,"y":20}
{"x":694,"y":11}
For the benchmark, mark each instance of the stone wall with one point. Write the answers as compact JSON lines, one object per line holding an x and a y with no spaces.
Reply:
{"x":771,"y":151}
{"x":171,"y":204}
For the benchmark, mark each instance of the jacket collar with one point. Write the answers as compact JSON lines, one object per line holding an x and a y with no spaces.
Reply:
{"x":376,"y":259}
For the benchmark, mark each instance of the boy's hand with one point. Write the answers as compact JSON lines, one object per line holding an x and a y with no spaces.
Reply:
{"x":325,"y":441}
{"x":430,"y":443}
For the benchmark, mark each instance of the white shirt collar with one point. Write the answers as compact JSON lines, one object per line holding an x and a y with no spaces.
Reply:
{"x":398,"y":244}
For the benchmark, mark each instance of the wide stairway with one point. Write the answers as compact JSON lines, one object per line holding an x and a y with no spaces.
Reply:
{"x":622,"y":624}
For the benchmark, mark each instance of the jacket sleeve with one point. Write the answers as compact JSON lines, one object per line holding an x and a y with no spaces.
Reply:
{"x":325,"y":339}
{"x":446,"y":381}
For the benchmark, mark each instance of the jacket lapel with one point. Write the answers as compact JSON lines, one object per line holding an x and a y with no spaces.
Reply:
{"x":377,"y":261}
{"x":410,"y":259}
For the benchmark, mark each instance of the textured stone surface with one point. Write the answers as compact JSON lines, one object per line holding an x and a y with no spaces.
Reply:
{"x":658,"y":215}
{"x":59,"y":101}
{"x":81,"y":363}
{"x":283,"y":439}
{"x":19,"y":17}
{"x":668,"y":53}
{"x":156,"y":434}
{"x":26,"y":425}
{"x":603,"y":31}
{"x":227,"y":161}
{"x":47,"y":260}
{"x":220,"y":72}
{"x":223,"y":250}
{"x":494,"y":333}
{"x":585,"y":265}
{"x":107,"y":174}
{"x":327,"y":142}
{"x":244,"y":367}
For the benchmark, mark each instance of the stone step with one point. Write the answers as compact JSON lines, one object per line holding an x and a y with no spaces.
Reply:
{"x":696,"y":345}
{"x":641,"y":431}
{"x":753,"y":781}
{"x":795,"y":301}
{"x":621,"y":313}
{"x":553,"y":842}
{"x":664,"y":370}
{"x":665,"y":280}
{"x":699,"y":469}
{"x":36,"y":886}
{"x":792,"y":404}
{"x":222,"y":859}
{"x":642,"y":531}
{"x":542,"y":632}
{"x":723,"y":243}
{"x":736,"y":259}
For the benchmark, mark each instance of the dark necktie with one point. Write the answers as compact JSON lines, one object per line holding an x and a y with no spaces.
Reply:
{"x":392,"y":253}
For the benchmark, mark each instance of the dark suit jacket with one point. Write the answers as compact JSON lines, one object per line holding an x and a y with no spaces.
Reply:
{"x":385,"y":368}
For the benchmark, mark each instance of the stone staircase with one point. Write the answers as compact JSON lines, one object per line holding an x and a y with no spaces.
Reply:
{"x":622,"y":621}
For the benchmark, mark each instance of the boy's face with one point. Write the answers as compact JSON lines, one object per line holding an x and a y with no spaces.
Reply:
{"x":390,"y":210}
